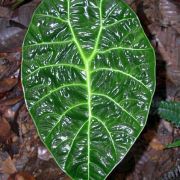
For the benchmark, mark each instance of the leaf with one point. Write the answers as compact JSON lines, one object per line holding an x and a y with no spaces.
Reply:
{"x":8,"y":166}
{"x":170,"y":111}
{"x":21,"y":176}
{"x":174,"y":144}
{"x":89,"y":76}
{"x":5,"y":130}
{"x":7,"y":84}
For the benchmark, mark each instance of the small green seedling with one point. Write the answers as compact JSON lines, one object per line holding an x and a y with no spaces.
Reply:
{"x":170,"y":111}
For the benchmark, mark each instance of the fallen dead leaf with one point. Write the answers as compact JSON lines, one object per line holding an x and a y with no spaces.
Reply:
{"x":5,"y":129}
{"x":156,"y":145}
{"x":9,"y":63}
{"x":149,"y":135}
{"x":8,"y":166}
{"x":7,"y":84}
{"x":21,"y":176}
{"x":11,"y":101}
{"x":7,"y":2}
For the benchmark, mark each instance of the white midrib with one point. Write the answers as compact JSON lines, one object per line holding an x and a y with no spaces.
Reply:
{"x":87,"y":63}
{"x":89,"y":110}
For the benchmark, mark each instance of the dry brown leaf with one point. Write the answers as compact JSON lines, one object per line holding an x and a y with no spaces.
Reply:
{"x":8,"y":166}
{"x":149,"y":135}
{"x":12,"y":101}
{"x":21,"y":176}
{"x":5,"y":129}
{"x":156,"y":145}
{"x":7,"y":84}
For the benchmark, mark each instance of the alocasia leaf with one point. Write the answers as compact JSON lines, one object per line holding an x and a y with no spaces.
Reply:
{"x":88,"y":74}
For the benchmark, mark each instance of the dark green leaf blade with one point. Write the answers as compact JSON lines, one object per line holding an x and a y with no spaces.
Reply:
{"x":88,"y":75}
{"x":175,"y":144}
{"x":171,"y":111}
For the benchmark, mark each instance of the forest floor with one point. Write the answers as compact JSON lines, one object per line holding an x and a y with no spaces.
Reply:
{"x":23,"y":156}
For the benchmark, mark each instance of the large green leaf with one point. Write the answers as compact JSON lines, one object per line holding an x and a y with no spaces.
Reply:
{"x":89,"y":76}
